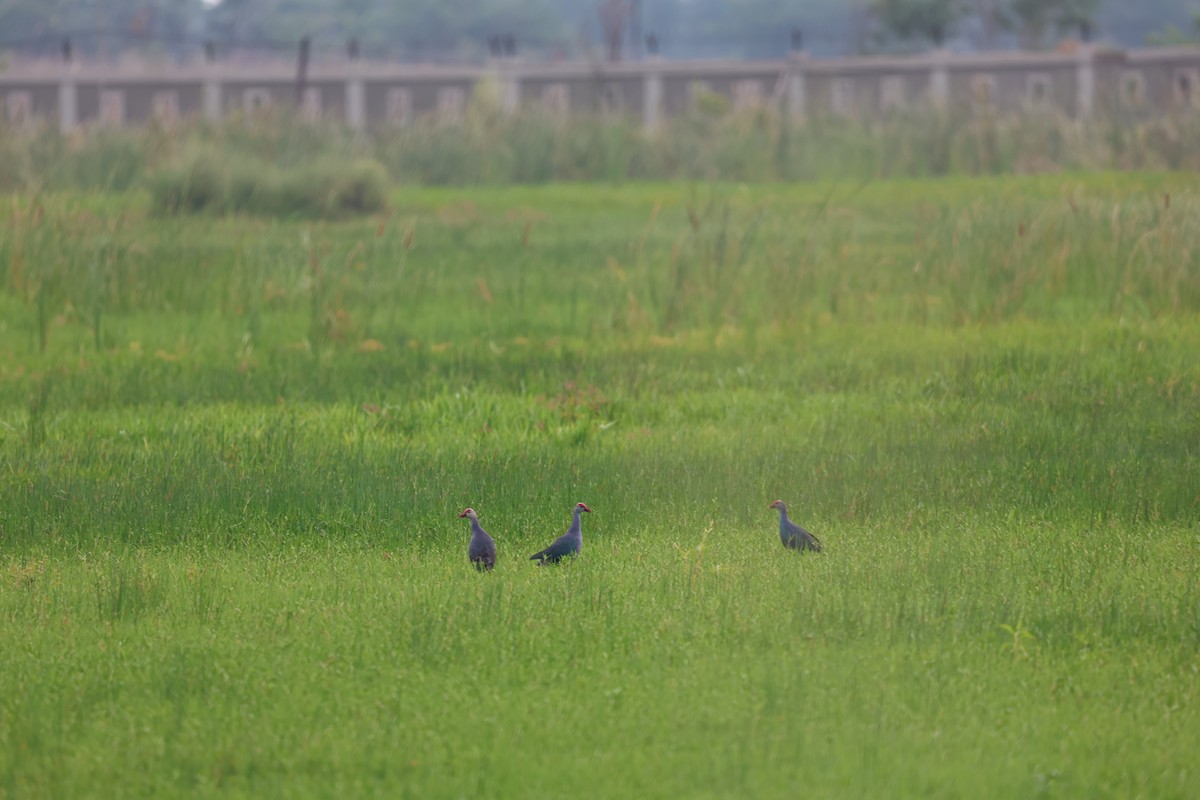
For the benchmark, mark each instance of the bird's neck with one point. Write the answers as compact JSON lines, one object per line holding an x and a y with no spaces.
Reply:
{"x":576,"y":525}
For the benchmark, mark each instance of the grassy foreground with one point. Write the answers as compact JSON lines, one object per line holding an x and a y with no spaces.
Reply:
{"x":232,"y":452}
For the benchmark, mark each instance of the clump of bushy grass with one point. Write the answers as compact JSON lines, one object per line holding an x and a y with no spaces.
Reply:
{"x":361,"y":189}
{"x":203,"y":182}
{"x":199,"y":181}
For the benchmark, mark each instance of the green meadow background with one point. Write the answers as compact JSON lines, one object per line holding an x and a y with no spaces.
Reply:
{"x":233,"y":449}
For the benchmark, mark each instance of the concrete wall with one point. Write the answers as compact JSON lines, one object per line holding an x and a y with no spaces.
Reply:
{"x":1078,"y":84}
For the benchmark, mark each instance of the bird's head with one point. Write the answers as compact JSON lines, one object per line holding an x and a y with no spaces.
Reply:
{"x":470,"y":513}
{"x":582,"y":507}
{"x":777,"y":504}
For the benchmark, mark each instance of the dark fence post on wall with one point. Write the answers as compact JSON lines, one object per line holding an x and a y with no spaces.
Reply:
{"x":635,"y":28}
{"x":796,"y":90}
{"x":302,"y":70}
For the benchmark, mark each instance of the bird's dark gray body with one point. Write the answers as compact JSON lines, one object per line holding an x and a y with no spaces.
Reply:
{"x":482,"y":549}
{"x":792,"y":535}
{"x":569,"y":544}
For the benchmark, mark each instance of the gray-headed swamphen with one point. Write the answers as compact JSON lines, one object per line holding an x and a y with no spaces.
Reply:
{"x":482,"y":549}
{"x":569,"y":544}
{"x":792,"y":535}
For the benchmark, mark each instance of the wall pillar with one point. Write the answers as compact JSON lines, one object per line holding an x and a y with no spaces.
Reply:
{"x":797,"y":85}
{"x":212,"y":96}
{"x":939,"y":78}
{"x":1085,"y":82}
{"x":510,"y":88}
{"x":652,"y":94}
{"x":356,"y":100}
{"x":68,"y":103}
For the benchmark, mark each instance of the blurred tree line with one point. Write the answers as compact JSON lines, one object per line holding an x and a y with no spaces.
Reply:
{"x":599,"y":29}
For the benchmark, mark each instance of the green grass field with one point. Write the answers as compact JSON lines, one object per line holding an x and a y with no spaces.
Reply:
{"x":233,"y":451}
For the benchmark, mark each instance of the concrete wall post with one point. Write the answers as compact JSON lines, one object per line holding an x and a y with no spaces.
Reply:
{"x":212,"y":95}
{"x":939,"y":78}
{"x":652,"y":94}
{"x":1085,"y":82}
{"x":510,"y":88}
{"x":356,"y":99}
{"x":68,"y":103}
{"x":797,"y":85}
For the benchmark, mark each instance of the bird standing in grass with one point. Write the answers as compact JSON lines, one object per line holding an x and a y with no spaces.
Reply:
{"x":482,"y":549}
{"x":793,"y":536}
{"x":569,"y":544}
